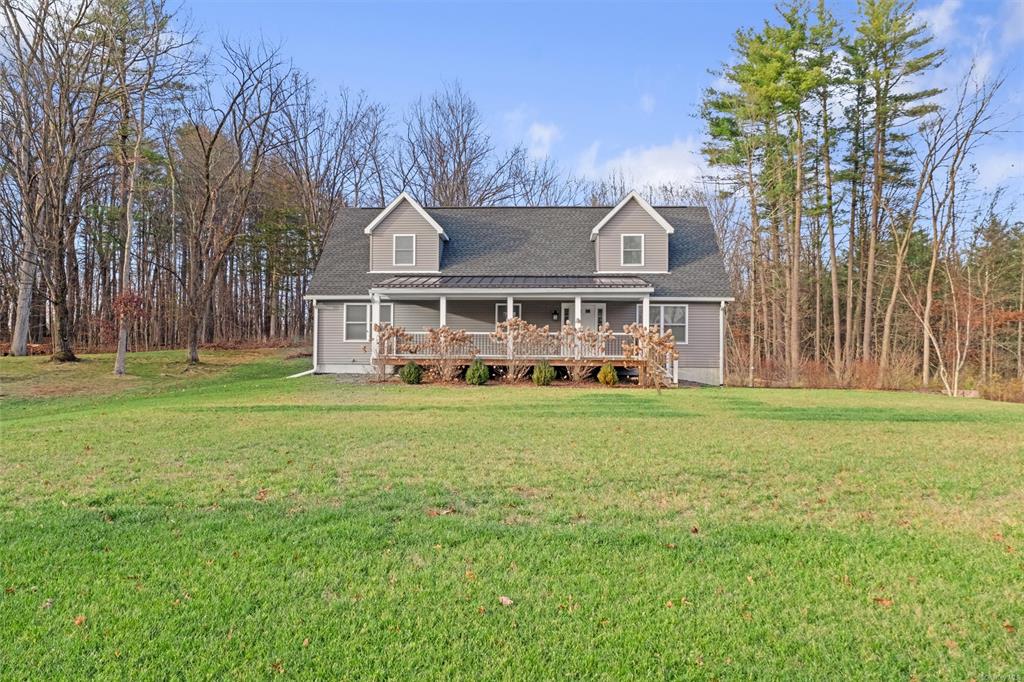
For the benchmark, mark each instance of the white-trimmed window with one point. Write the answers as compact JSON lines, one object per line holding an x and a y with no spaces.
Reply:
{"x":500,"y":312}
{"x":387,"y":313}
{"x":357,"y":322}
{"x":403,"y":249}
{"x":632,"y":250}
{"x":673,"y":317}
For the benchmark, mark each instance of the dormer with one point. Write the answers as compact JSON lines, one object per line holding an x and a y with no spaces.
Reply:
{"x":404,"y":238}
{"x":632,"y":237}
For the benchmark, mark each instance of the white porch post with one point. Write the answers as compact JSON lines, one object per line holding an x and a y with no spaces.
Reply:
{"x":508,"y":316}
{"x":646,"y":308}
{"x":374,"y":321}
{"x":444,"y":311}
{"x":578,"y":312}
{"x":316,"y":324}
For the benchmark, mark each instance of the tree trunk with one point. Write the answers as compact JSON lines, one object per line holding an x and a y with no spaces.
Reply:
{"x":26,"y":284}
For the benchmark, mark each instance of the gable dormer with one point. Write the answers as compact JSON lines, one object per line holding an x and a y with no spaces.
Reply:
{"x":632,"y":237}
{"x":404,"y":238}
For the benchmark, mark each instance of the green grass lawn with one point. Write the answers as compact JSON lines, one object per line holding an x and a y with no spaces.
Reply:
{"x":228,"y":522}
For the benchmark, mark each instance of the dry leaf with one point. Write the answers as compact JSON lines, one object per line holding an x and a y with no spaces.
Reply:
{"x":305,"y":642}
{"x":505,"y":601}
{"x":695,"y":530}
{"x":882,"y":601}
{"x":1009,"y":627}
{"x":481,"y":609}
{"x":669,"y":604}
{"x":48,"y":604}
{"x":277,"y":667}
{"x":670,"y":545}
{"x":442,"y":511}
{"x":470,"y":575}
{"x":262,"y":494}
{"x":79,"y":620}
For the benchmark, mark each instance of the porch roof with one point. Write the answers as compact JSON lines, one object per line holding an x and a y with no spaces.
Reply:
{"x":511,"y":282}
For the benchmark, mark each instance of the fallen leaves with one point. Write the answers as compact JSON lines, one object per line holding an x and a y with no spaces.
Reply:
{"x":505,"y":601}
{"x":1008,"y":626}
{"x":80,"y":620}
{"x":883,"y":601}
{"x":261,"y":496}
{"x":440,"y":511}
{"x":48,"y":604}
{"x":305,"y":642}
{"x":695,"y":530}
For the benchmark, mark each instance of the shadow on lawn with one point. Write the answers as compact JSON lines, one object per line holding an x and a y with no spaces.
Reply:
{"x":755,"y":409}
{"x":596,"y":406}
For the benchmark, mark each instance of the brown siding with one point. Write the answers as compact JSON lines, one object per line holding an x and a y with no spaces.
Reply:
{"x":405,"y":220}
{"x":632,"y":219}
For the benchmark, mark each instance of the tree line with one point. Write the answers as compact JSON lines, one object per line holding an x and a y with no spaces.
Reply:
{"x":157,"y":193}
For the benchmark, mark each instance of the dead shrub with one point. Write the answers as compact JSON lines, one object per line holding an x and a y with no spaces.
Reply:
{"x":448,"y":350}
{"x":1003,"y":390}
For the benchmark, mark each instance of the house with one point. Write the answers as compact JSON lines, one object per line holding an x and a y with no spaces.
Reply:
{"x":469,"y":268}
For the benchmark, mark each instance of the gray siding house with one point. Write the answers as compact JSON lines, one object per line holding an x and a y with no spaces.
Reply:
{"x":469,"y":268}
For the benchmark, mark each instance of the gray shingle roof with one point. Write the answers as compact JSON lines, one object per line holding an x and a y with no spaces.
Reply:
{"x":525,"y":242}
{"x":510,"y":282}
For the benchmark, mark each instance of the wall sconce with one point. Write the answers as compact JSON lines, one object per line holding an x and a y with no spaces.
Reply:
{"x":555,"y":315}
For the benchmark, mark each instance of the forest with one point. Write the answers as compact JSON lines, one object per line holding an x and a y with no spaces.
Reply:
{"x":158,"y":192}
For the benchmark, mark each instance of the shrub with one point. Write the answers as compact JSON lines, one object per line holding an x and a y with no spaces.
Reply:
{"x":477,"y":374}
{"x":411,"y":373}
{"x":608,"y":375}
{"x":543,"y":373}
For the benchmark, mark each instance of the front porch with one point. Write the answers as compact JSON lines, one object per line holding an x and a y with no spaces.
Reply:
{"x":616,"y":302}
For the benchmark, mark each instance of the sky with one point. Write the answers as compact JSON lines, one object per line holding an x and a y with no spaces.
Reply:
{"x":598,"y":86}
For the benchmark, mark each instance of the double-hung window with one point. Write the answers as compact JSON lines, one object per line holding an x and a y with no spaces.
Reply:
{"x":668,"y":317}
{"x":632,"y":250}
{"x":404,"y":249}
{"x":357,"y":322}
{"x":501,"y":310}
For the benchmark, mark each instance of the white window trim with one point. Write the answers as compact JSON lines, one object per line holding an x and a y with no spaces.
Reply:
{"x":394,"y":251}
{"x":622,"y":251}
{"x":344,"y":323}
{"x":661,"y":318}
{"x":391,"y":314}
{"x":515,"y":306}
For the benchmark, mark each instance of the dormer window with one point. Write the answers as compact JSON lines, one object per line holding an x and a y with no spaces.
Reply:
{"x":633,"y":250}
{"x":404,"y":250}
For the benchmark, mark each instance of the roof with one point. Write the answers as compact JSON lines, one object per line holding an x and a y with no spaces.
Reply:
{"x":525,"y":242}
{"x":510,"y":282}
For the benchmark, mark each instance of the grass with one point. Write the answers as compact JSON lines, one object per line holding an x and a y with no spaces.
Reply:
{"x":228,"y":522}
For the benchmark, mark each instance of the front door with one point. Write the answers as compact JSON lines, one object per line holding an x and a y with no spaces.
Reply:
{"x":592,"y":315}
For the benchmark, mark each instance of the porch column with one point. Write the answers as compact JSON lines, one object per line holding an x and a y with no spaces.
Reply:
{"x":374,"y":321}
{"x":578,"y":314}
{"x":646,"y":307}
{"x":444,"y":311}
{"x":508,"y":316}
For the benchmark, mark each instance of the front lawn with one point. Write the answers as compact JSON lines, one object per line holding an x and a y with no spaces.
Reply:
{"x":233,"y":523}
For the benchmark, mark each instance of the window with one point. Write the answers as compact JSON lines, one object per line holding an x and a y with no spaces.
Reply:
{"x":386,"y":313}
{"x":666,"y":318}
{"x":404,"y":249}
{"x":357,"y":322}
{"x":633,"y":249}
{"x":499,"y":312}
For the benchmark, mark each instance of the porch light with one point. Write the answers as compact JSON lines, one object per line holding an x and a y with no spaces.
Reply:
{"x":555,"y":315}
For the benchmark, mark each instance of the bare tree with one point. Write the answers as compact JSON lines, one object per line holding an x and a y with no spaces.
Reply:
{"x":447,"y":159}
{"x":219,"y":155}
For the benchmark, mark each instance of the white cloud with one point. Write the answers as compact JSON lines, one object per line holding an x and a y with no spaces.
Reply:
{"x":540,"y":137}
{"x":1013,"y":23}
{"x":647,"y":102}
{"x":941,"y":19}
{"x":676,"y":162}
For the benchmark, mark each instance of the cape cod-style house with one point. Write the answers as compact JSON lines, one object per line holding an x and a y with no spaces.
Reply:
{"x":470,"y":268}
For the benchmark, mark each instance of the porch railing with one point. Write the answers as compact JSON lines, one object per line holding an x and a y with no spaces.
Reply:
{"x":552,"y":346}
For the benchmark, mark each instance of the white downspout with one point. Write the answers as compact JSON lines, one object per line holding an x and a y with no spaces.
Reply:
{"x":316,"y":328}
{"x":721,"y":344}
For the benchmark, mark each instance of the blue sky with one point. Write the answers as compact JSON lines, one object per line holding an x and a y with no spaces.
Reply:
{"x":599,"y":86}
